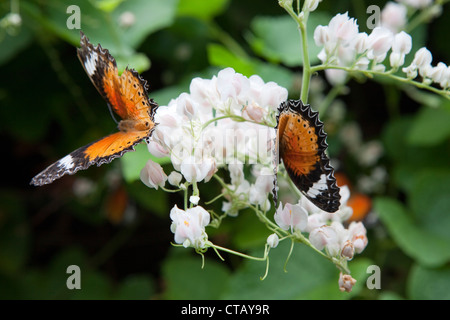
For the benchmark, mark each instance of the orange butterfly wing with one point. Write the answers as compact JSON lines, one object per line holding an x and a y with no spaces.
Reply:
{"x":301,"y":145}
{"x":126,"y":95}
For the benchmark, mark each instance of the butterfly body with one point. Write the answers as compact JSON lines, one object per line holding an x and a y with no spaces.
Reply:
{"x":301,"y":145}
{"x":126,"y":95}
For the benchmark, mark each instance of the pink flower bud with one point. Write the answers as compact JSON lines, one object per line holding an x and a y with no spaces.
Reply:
{"x":348,"y":250}
{"x":152,"y":175}
{"x":254,"y":112}
{"x":346,"y":282}
{"x":358,"y":237}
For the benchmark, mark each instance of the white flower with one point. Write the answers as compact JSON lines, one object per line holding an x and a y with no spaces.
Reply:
{"x":411,"y":71}
{"x":324,"y":236}
{"x":321,"y":35}
{"x":439,"y":74}
{"x":423,"y":57}
{"x":336,"y":76}
{"x":357,"y":235}
{"x":189,"y":226}
{"x":152,"y":175}
{"x":195,"y":169}
{"x":380,"y":41}
{"x":360,"y":42}
{"x":273,"y":240}
{"x":341,"y":27}
{"x":393,"y":16}
{"x":294,"y":217}
{"x":402,"y":43}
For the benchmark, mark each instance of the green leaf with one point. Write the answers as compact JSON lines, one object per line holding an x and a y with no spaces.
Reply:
{"x":220,"y":56}
{"x":201,"y":9}
{"x":185,"y":278}
{"x":278,"y":39}
{"x":308,"y":276}
{"x":106,"y":27}
{"x":430,"y":201}
{"x":431,"y":126}
{"x":107,"y":5}
{"x":11,"y":45}
{"x":429,"y":284}
{"x":425,"y":247}
{"x":150,"y":16}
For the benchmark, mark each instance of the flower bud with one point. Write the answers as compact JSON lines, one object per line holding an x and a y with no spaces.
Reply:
{"x":396,"y":59}
{"x":411,"y":71}
{"x":360,"y":42}
{"x":422,"y":58}
{"x":402,"y":43}
{"x":254,"y":112}
{"x":311,"y":5}
{"x":321,"y":35}
{"x":439,"y":73}
{"x":175,"y":178}
{"x":152,"y":175}
{"x":348,"y":250}
{"x":346,"y":282}
{"x":194,"y":199}
{"x":273,"y":240}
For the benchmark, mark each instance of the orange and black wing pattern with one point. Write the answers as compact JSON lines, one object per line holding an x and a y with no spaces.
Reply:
{"x":127,"y":96}
{"x":301,"y":144}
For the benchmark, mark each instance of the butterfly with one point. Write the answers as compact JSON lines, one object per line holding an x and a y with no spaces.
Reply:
{"x":301,"y":143}
{"x":126,"y":95}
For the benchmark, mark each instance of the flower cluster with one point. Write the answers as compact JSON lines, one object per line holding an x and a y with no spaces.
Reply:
{"x":189,"y":226}
{"x":225,"y":121}
{"x":422,"y":65}
{"x":347,"y":49}
{"x":345,"y":46}
{"x":326,"y":231}
{"x":217,"y":123}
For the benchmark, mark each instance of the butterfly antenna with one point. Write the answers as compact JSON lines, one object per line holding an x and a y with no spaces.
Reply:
{"x":112,"y":114}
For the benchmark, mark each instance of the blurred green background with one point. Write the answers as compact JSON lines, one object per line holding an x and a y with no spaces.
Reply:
{"x":117,"y":230}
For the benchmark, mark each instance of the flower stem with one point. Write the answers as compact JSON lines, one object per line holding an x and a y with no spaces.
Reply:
{"x":306,"y":65}
{"x":442,"y":92}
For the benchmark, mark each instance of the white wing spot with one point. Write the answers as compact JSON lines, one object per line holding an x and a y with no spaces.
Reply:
{"x":66,"y":162}
{"x":91,"y":62}
{"x":318,"y":186}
